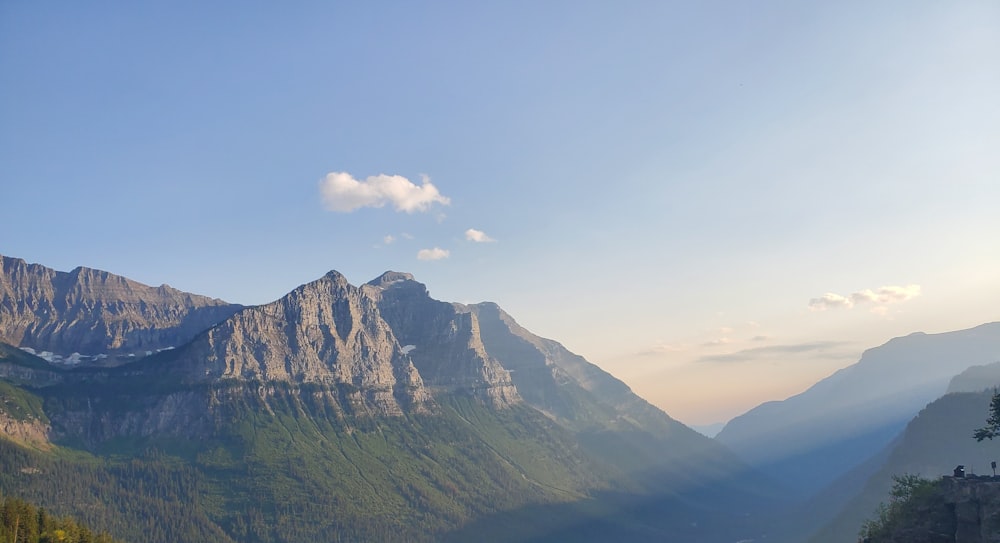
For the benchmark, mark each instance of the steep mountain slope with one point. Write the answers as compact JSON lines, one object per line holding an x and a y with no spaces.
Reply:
{"x":373,"y":413}
{"x":934,"y":442}
{"x":92,"y":312}
{"x":811,"y":439}
{"x":443,"y":340}
{"x":325,"y":332}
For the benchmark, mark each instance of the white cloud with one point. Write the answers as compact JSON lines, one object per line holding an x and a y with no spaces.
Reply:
{"x":436,"y":253}
{"x":880,"y":297}
{"x":829,"y":301}
{"x":663,"y":348}
{"x":388,"y":239}
{"x":886,"y":295}
{"x":342,"y":193}
{"x":477,"y":236}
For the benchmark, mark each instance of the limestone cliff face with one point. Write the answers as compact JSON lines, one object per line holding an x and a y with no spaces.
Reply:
{"x":976,"y":505}
{"x":443,"y":340}
{"x":92,"y":312}
{"x":327,"y":332}
{"x":95,"y":418}
{"x":33,"y":432}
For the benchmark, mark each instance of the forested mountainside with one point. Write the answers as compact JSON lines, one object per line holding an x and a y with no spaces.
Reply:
{"x":22,"y":521}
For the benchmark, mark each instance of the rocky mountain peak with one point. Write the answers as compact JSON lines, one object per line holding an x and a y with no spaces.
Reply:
{"x":391,"y":278}
{"x":443,"y":340}
{"x":93,"y":312}
{"x":327,"y":332}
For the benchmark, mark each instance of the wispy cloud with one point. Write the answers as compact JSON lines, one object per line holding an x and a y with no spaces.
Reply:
{"x":879,"y":297}
{"x":477,"y":236}
{"x":342,"y":193}
{"x":388,"y":239}
{"x":663,"y":348}
{"x":436,"y":253}
{"x":821,"y":349}
{"x":830,"y":301}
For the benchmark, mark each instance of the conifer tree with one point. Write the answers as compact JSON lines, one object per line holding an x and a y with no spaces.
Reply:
{"x":992,"y":428}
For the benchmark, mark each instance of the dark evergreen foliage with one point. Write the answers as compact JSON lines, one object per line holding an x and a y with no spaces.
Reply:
{"x":23,"y":522}
{"x":992,"y":428}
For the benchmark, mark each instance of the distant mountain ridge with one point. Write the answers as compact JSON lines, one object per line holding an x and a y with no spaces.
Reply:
{"x":933,"y":443}
{"x":93,"y":312}
{"x":812,"y":438}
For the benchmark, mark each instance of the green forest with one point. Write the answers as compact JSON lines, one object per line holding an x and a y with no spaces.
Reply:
{"x":23,"y":522}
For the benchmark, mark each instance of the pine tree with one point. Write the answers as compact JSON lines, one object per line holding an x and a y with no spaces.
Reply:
{"x":992,"y":428}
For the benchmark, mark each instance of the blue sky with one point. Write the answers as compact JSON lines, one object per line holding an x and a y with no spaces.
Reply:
{"x":718,"y":202}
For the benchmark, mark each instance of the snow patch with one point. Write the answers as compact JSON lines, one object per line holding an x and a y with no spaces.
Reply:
{"x":74,"y":359}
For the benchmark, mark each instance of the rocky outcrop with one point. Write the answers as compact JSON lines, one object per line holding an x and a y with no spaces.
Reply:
{"x":93,"y":312}
{"x":975,"y":503}
{"x":957,"y":510}
{"x":444,"y":340}
{"x":33,"y":432}
{"x":325,"y":332}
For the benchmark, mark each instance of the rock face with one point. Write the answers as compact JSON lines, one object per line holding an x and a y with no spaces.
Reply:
{"x":962,"y":510}
{"x":95,"y":312}
{"x":976,"y":503}
{"x":326,"y":332}
{"x":33,"y":431}
{"x":444,"y":340}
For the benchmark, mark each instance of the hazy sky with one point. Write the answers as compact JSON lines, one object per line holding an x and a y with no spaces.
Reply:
{"x":718,"y":202}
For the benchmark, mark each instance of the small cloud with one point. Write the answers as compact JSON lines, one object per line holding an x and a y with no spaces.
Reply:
{"x":388,"y":239}
{"x":886,"y":295}
{"x":760,"y":338}
{"x":436,"y":253}
{"x":342,"y":193}
{"x":881,"y":296}
{"x":717,"y":342}
{"x":829,"y":301}
{"x":477,"y":236}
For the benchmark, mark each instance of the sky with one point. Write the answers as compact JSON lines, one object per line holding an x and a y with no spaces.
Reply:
{"x":719,"y":203}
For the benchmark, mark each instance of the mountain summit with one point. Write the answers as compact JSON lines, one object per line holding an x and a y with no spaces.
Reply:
{"x":94,"y":312}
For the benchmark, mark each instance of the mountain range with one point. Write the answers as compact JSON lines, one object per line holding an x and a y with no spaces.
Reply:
{"x":375,"y":412}
{"x":834,"y":440}
{"x":369,"y":412}
{"x":813,"y":438}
